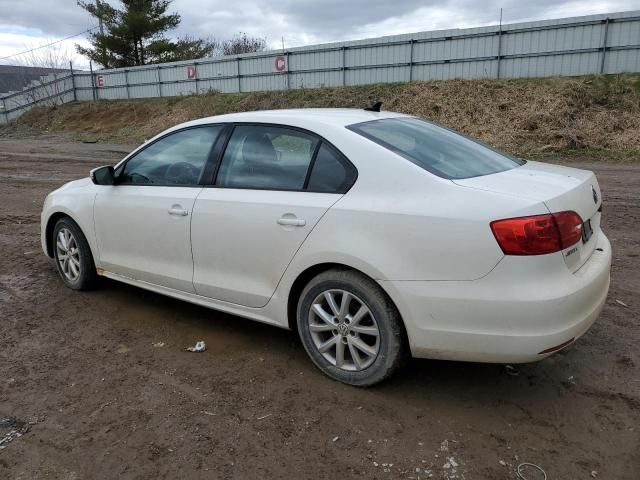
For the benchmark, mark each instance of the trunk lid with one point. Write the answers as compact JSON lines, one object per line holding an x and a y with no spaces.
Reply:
{"x":560,"y":188}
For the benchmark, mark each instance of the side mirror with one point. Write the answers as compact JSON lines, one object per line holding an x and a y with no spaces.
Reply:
{"x":102,"y":175}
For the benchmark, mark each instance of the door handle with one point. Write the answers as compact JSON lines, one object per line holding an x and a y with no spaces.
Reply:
{"x":178,"y":211}
{"x":293,"y":222}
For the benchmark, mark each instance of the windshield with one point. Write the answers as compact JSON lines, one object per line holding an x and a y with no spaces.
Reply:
{"x":436,"y":149}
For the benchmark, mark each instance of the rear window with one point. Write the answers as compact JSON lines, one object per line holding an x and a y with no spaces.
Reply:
{"x":438,"y":150}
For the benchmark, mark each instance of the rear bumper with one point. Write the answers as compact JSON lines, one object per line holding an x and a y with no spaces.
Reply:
{"x":509,"y":316}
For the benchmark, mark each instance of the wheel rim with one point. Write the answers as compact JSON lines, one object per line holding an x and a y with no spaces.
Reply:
{"x":343,"y":330}
{"x":68,"y":254}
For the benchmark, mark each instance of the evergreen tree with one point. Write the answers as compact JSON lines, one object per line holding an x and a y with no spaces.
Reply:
{"x":135,"y":34}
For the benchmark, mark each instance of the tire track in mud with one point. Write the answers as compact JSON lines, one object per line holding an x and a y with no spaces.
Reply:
{"x":109,"y":402}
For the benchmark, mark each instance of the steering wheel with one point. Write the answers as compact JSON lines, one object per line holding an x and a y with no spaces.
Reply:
{"x":136,"y":177}
{"x":182,"y":173}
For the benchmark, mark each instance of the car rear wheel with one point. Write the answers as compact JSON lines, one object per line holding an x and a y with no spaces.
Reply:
{"x":73,"y":255}
{"x":350,"y":328}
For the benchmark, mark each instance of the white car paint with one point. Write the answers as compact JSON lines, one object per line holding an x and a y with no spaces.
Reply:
{"x":426,"y":240}
{"x":227,"y":219}
{"x":560,"y":188}
{"x":146,"y":242}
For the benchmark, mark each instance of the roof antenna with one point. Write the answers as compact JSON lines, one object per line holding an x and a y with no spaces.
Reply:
{"x":375,"y":107}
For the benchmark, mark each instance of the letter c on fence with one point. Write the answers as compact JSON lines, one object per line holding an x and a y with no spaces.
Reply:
{"x":280,"y":63}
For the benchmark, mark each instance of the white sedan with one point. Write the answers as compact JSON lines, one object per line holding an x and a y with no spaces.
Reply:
{"x":374,"y":235}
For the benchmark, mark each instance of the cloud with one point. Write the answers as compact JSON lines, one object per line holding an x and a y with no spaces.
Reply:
{"x":12,"y":43}
{"x":303,"y":22}
{"x":51,"y":18}
{"x":297,"y":22}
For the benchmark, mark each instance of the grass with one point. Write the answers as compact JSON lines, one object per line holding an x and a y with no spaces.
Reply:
{"x":594,"y":117}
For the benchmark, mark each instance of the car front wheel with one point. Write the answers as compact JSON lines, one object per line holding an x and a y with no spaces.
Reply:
{"x":350,"y":328}
{"x":73,"y":255}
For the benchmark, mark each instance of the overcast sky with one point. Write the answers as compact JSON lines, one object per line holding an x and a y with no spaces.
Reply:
{"x":28,"y":23}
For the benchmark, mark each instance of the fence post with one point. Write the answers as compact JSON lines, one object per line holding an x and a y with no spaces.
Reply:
{"x":195,"y":68}
{"x":499,"y":46}
{"x":126,"y":82}
{"x":93,"y":82}
{"x":159,"y":82}
{"x":4,"y":110}
{"x":411,"y":42}
{"x":604,"y":45}
{"x":238,"y":73}
{"x":73,"y":82}
{"x":287,"y":72}
{"x":344,"y":66}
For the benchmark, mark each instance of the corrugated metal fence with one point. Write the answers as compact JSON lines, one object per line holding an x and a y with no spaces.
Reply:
{"x":596,"y":44}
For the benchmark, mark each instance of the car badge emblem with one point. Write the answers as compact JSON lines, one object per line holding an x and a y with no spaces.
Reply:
{"x":595,"y":195}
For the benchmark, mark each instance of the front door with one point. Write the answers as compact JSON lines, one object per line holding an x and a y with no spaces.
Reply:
{"x":143,"y":222}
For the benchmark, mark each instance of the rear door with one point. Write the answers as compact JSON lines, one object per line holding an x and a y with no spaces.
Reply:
{"x":273,"y":185}
{"x":143,"y":222}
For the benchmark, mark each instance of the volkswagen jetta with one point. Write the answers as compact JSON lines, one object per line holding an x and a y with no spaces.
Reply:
{"x":375,"y":235}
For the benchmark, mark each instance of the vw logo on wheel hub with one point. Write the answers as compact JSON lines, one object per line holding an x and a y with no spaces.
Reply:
{"x":343,"y":329}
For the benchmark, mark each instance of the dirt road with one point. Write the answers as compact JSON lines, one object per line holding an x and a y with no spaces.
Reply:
{"x":105,"y":402}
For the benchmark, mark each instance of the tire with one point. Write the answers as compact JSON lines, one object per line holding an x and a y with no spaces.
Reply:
{"x":75,"y":265}
{"x":376,"y":356}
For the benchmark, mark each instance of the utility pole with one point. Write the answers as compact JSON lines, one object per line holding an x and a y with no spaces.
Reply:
{"x":99,"y":17}
{"x":101,"y":26}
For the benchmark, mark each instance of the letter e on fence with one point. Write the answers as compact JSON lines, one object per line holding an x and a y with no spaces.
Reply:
{"x":280,"y":63}
{"x":191,"y":72}
{"x":99,"y":81}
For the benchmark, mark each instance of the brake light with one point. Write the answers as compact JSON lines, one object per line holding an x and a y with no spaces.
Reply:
{"x":570,"y":226}
{"x":538,"y":234}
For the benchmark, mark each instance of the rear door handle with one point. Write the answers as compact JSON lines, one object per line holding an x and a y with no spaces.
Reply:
{"x":294,"y":222}
{"x":178,"y":211}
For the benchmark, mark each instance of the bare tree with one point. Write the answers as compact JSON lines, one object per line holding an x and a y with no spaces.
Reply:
{"x":48,"y":89}
{"x":190,"y":48}
{"x":243,"y":43}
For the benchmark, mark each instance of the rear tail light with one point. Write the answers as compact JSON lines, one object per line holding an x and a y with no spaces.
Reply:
{"x":539,"y":234}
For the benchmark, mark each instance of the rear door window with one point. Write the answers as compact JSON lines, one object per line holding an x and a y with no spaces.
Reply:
{"x":436,"y":149}
{"x":266,"y":157}
{"x":331,"y":173}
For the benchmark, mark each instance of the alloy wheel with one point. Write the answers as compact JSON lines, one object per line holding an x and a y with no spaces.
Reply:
{"x":68,"y":254}
{"x":344,"y":330}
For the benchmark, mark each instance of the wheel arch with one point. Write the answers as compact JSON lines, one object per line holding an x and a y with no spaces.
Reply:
{"x":305,"y":277}
{"x":51,"y":223}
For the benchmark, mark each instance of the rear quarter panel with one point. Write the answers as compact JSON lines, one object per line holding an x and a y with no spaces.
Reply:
{"x":399,"y":222}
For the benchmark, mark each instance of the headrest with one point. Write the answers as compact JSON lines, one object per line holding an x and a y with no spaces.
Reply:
{"x":257,"y":149}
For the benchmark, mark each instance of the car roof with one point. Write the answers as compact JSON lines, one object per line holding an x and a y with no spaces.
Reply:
{"x":303,"y":117}
{"x":320,"y":120}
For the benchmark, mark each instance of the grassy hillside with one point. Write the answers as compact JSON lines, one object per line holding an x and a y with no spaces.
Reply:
{"x":596,"y":117}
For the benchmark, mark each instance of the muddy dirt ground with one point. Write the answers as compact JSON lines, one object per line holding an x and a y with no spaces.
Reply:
{"x":104,"y":402}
